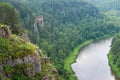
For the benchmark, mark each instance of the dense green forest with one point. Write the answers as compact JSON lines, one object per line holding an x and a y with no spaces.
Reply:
{"x":5,"y":17}
{"x":105,"y":5}
{"x":24,"y":16}
{"x":19,"y":58}
{"x":110,"y":8}
{"x":67,"y":24}
{"x":114,"y":56}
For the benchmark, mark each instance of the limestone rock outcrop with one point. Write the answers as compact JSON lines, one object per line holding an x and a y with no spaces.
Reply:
{"x":33,"y":60}
{"x":19,"y":57}
{"x":24,"y":36}
{"x":5,"y":31}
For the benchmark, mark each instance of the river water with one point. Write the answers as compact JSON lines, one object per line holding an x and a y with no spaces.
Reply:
{"x":92,"y":62}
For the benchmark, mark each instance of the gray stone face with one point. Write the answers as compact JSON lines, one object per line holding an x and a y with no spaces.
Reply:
{"x":48,"y":77}
{"x":2,"y":33}
{"x":30,"y":64}
{"x":24,"y":36}
{"x":33,"y":60}
{"x":30,"y":71}
{"x":8,"y":32}
{"x":17,"y":61}
{"x":5,"y":32}
{"x":7,"y":61}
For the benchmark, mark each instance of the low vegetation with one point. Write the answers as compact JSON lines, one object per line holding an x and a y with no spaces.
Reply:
{"x":15,"y":46}
{"x":71,"y":58}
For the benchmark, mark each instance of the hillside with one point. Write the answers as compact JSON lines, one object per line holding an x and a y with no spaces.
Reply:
{"x":62,"y":21}
{"x":105,"y":5}
{"x":67,"y":24}
{"x":110,"y":8}
{"x":21,"y":60}
{"x":114,"y":56}
{"x":25,"y":20}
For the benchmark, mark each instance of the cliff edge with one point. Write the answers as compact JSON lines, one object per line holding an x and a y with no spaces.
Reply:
{"x":21,"y":60}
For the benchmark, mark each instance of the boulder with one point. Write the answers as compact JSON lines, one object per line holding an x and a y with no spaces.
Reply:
{"x":5,"y":32}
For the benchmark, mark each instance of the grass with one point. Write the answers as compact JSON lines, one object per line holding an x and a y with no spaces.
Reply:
{"x":15,"y":47}
{"x":71,"y":58}
{"x":2,"y":26}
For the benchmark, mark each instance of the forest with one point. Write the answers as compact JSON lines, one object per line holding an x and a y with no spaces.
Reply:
{"x":114,"y":56}
{"x":67,"y":23}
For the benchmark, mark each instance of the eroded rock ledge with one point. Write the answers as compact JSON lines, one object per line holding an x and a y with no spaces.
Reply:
{"x":19,"y":59}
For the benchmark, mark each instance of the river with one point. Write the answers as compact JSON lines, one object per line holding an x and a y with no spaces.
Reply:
{"x":92,"y":62}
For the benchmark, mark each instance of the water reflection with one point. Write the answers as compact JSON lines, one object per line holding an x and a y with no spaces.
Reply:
{"x":92,"y":62}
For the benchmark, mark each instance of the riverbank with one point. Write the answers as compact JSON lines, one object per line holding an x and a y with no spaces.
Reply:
{"x":113,"y":56}
{"x":92,"y":59}
{"x":114,"y":68}
{"x":71,"y":58}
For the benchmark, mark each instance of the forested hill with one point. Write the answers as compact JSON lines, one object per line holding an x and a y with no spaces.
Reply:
{"x":63,"y":10}
{"x":114,"y":56}
{"x":105,"y":5}
{"x":110,"y":8}
{"x":67,"y":24}
{"x":19,"y":58}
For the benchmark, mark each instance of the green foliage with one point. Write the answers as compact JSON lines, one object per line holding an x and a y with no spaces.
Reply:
{"x":105,"y":5}
{"x":114,"y":56}
{"x":69,"y":60}
{"x":17,"y":71}
{"x":67,"y":24}
{"x":24,"y":17}
{"x":8,"y":69}
{"x":16,"y":47}
{"x":2,"y":26}
{"x":9,"y":16}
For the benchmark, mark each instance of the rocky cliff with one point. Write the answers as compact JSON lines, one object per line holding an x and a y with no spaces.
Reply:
{"x":21,"y":60}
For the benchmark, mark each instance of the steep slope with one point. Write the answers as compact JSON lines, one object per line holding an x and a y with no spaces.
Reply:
{"x":110,"y":8}
{"x":21,"y":60}
{"x":62,"y":11}
{"x":26,"y":16}
{"x":105,"y":5}
{"x":67,"y":23}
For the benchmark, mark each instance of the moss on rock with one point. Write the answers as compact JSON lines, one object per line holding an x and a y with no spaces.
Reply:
{"x":21,"y":60}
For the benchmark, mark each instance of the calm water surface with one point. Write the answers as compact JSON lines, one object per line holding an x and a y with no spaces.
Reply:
{"x":92,"y":62}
